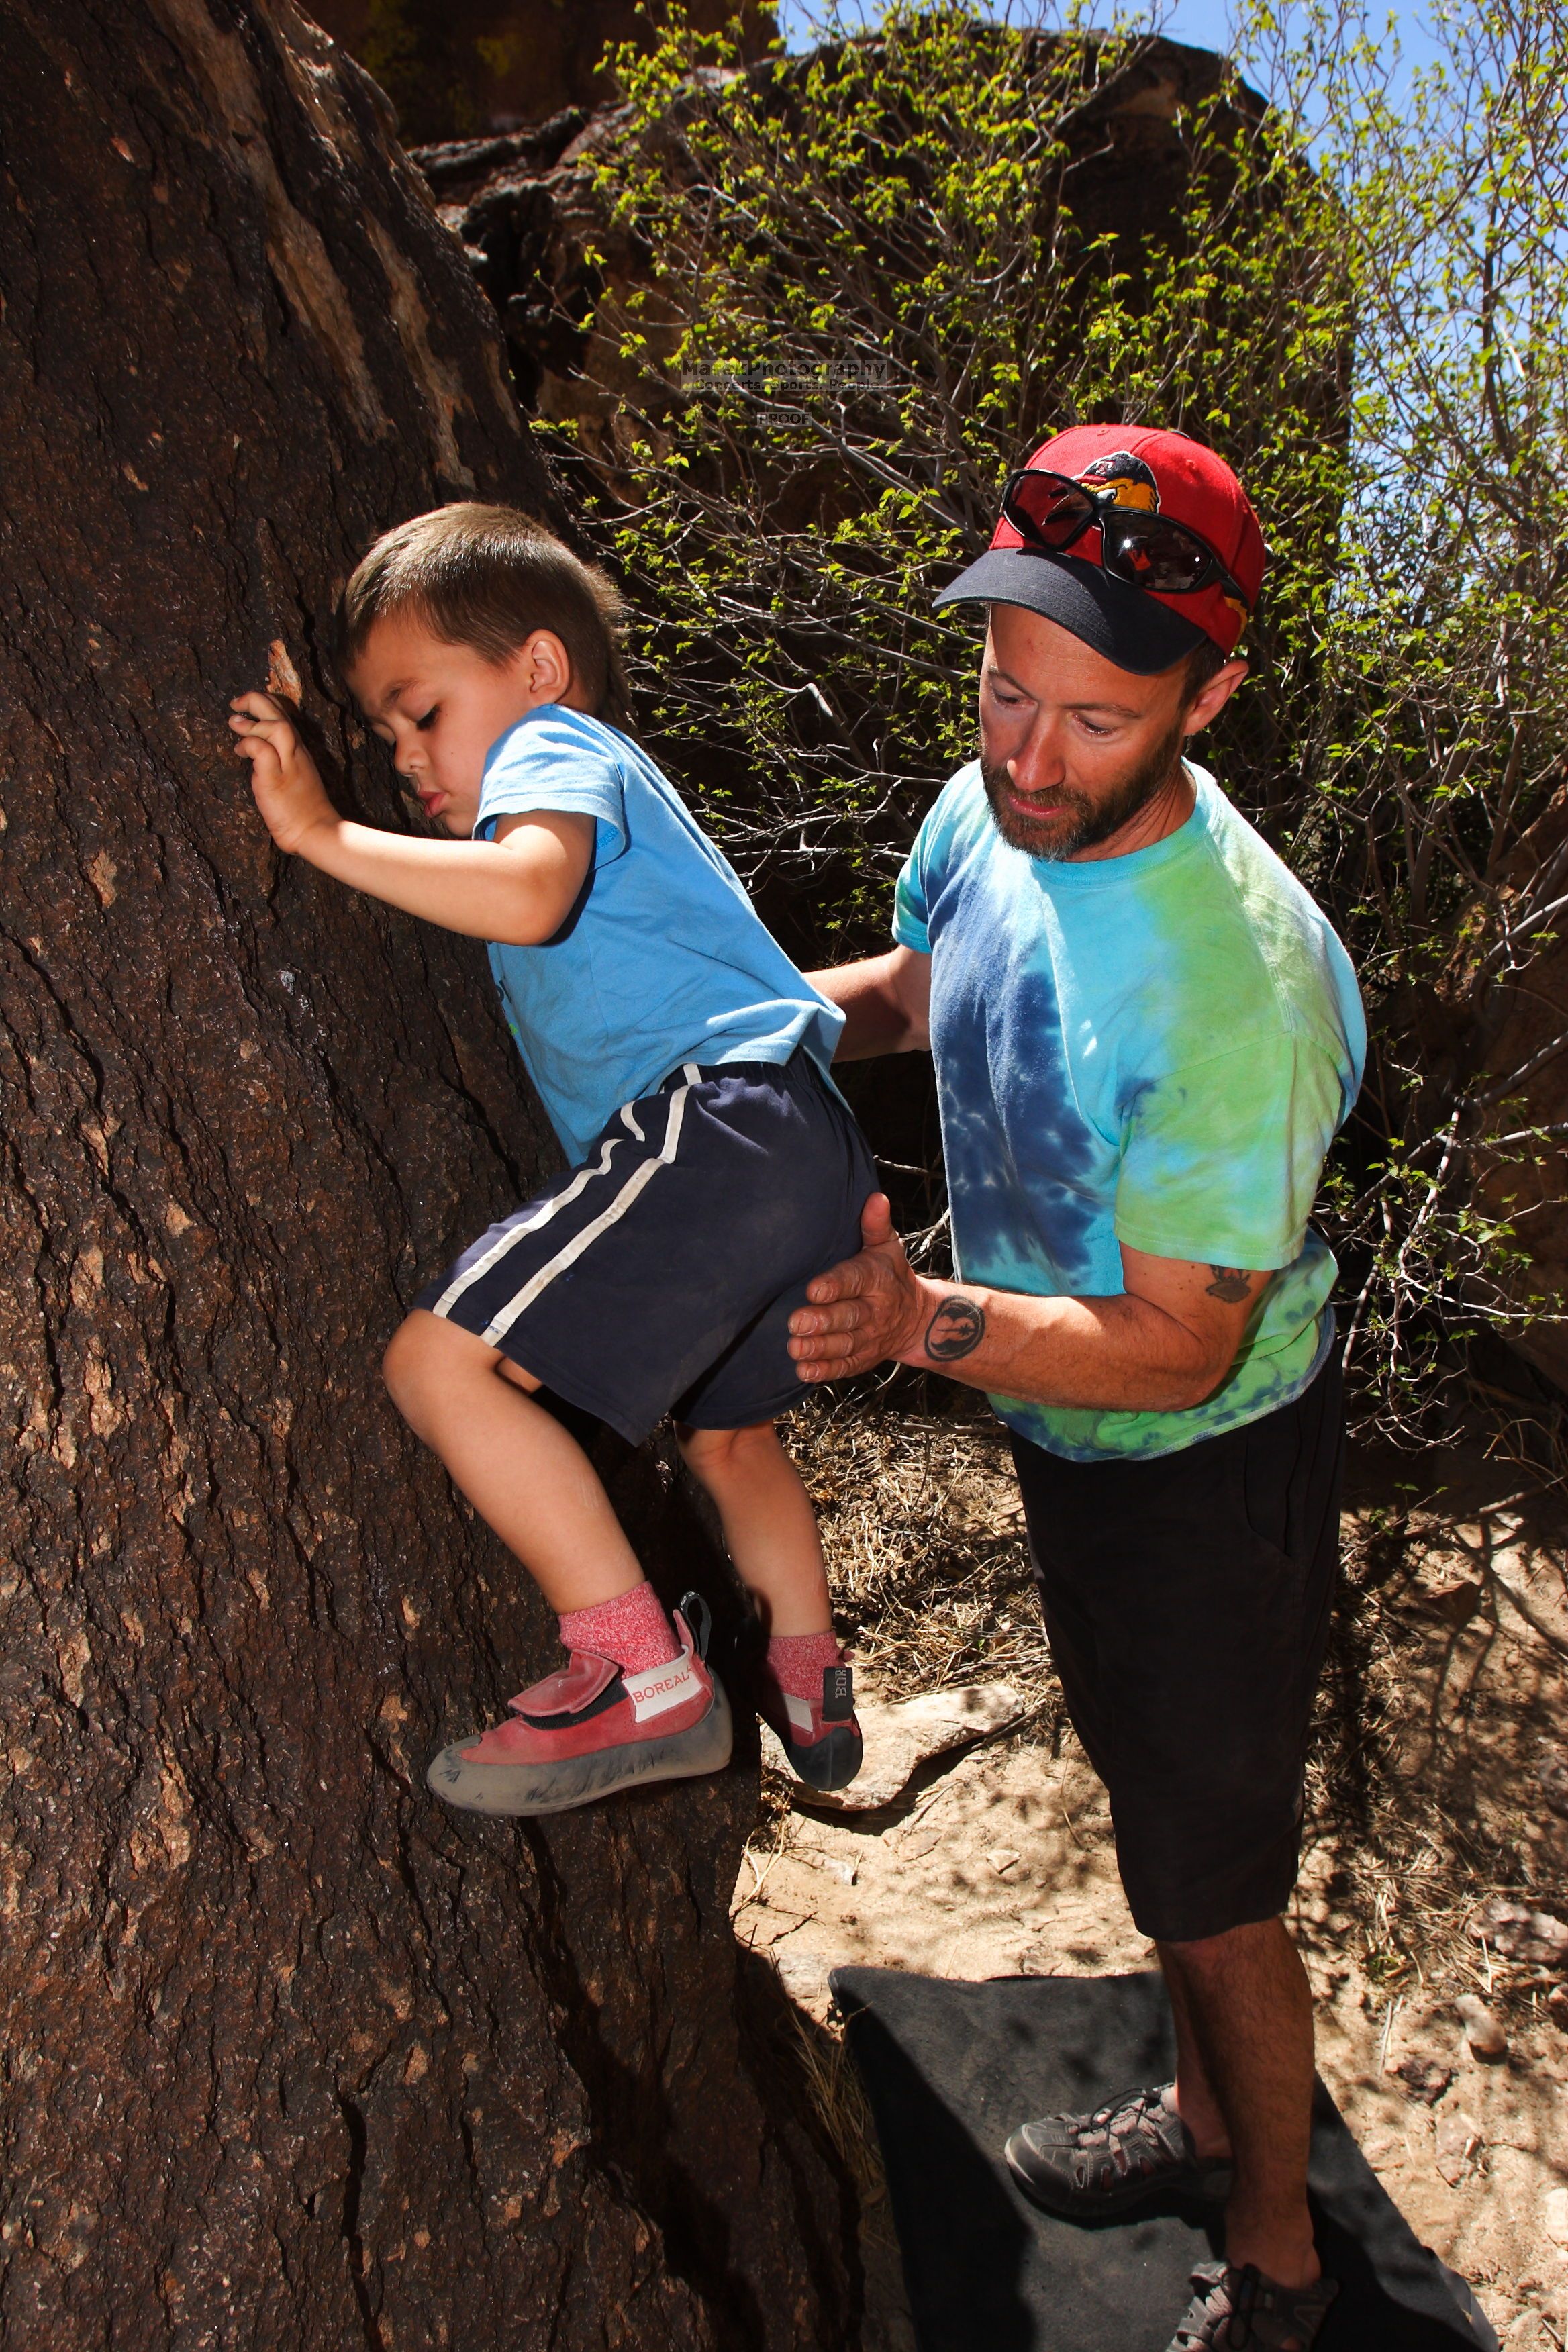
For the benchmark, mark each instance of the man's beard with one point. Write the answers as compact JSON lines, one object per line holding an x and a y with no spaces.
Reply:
{"x":1078,"y":823}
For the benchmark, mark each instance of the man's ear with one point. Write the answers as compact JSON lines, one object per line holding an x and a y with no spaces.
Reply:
{"x":1212,"y":698}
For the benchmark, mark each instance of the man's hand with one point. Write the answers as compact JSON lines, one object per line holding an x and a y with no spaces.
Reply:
{"x":1163,"y":1344}
{"x":864,"y":1311}
{"x":283,"y":776}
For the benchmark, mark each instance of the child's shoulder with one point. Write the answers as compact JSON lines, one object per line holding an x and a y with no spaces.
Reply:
{"x":555,"y":758}
{"x":554,"y":733}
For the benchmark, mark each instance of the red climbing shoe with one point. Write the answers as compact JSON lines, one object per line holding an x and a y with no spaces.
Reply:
{"x":821,"y":1738}
{"x":591,"y":1729}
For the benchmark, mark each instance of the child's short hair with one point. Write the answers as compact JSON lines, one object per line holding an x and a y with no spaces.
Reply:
{"x":487,"y":577}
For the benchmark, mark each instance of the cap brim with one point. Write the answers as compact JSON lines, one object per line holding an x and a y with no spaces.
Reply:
{"x":1130,"y":628}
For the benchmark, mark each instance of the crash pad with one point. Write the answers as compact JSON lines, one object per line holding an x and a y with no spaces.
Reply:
{"x":949,"y":2068}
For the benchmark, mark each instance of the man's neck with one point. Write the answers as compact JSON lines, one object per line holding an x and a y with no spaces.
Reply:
{"x":1165,"y":811}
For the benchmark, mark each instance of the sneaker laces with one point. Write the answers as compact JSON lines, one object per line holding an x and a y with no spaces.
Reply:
{"x":1129,"y":2127}
{"x":1231,"y":2303}
{"x":1243,"y":2304}
{"x":1128,"y":2108}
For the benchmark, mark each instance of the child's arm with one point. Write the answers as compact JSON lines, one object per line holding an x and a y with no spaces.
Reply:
{"x":518,"y":889}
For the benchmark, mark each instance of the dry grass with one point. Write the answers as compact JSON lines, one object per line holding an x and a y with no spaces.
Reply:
{"x":1436,"y":1698}
{"x":775,"y":1823}
{"x":924,"y":1535}
{"x":838,"y":2100}
{"x":839,"y":2103}
{"x":1435,"y":1703}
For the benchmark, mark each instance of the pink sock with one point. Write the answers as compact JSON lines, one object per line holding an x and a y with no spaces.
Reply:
{"x":795,"y":1662}
{"x":632,"y":1629}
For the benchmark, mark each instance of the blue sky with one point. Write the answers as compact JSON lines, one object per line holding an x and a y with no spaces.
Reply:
{"x":1202,"y":22}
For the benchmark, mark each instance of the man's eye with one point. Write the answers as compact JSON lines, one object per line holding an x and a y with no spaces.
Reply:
{"x":425,"y":724}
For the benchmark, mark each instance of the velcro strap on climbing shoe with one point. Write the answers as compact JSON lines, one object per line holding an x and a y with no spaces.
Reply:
{"x":579,"y":1689}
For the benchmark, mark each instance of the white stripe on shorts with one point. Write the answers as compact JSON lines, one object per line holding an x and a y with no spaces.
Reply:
{"x":496,"y":1331}
{"x":515,"y":1233}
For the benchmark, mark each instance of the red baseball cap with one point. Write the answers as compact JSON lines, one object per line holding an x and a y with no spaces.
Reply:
{"x":1136,"y":628}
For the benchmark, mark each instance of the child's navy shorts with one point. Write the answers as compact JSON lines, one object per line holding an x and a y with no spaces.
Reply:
{"x":660,"y":1276}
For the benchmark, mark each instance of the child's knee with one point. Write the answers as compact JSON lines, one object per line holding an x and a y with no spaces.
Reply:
{"x":411,"y":1355}
{"x":715,"y":1455}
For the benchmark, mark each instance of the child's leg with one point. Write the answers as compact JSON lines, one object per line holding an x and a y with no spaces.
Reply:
{"x":519,"y":1467}
{"x":768,"y":1522}
{"x":633,"y":1704}
{"x":804,"y":1690}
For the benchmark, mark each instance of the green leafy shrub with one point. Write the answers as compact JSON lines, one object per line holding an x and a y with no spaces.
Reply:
{"x":878,"y":276}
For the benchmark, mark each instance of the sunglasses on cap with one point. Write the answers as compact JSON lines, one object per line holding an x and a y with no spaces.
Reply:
{"x":1145,"y":549}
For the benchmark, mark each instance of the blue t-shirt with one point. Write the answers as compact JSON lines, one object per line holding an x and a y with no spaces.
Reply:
{"x":662,"y":960}
{"x":1154,"y":1049}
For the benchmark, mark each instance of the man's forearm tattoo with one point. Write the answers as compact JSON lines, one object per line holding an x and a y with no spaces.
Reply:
{"x":1230,"y":1283}
{"x":955,"y":1329}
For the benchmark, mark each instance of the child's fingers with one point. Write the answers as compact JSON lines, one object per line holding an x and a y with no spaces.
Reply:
{"x":260,"y":706}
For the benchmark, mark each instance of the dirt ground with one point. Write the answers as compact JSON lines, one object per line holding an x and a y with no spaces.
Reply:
{"x":1443,"y":1692}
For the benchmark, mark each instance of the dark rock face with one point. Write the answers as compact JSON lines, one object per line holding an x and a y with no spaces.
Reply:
{"x":456,"y":68}
{"x":528,"y":210}
{"x":294,"y":2060}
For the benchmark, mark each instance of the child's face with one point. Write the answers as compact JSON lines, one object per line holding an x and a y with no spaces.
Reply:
{"x":441,"y":707}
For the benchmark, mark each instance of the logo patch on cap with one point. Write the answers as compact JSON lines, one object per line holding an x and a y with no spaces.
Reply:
{"x":1133,"y":482}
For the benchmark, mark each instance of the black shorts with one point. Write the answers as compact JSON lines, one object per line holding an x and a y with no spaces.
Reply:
{"x":1187,"y":1601}
{"x":660,"y":1275}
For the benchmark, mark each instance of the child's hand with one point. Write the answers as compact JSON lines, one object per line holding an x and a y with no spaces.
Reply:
{"x":283,"y":776}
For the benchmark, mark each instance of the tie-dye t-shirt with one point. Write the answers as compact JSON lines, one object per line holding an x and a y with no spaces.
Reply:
{"x":1154,"y":1049}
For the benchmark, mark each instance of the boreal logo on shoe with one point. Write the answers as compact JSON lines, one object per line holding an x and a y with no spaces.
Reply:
{"x":657,"y":1688}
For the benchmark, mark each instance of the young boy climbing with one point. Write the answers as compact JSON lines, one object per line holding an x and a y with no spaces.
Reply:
{"x":683,"y":1059}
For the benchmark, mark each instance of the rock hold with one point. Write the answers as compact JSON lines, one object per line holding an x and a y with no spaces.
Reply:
{"x":1483,"y":2030}
{"x":1461,"y":2147}
{"x":1521,"y":1934}
{"x":1424,"y":2079}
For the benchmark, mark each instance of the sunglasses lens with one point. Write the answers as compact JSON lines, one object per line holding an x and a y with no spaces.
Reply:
{"x":1158,"y":555}
{"x":1048,"y":507}
{"x":1145,"y":549}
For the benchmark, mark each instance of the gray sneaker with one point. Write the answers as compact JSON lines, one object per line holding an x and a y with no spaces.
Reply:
{"x":1135,"y":2146}
{"x":1253,"y":2314}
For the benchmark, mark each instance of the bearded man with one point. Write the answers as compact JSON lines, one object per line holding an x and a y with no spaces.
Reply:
{"x":1145,"y":1036}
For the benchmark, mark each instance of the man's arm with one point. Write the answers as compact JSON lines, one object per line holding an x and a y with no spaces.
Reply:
{"x":885,"y":1001}
{"x":518,"y":889}
{"x":1165,"y":1344}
